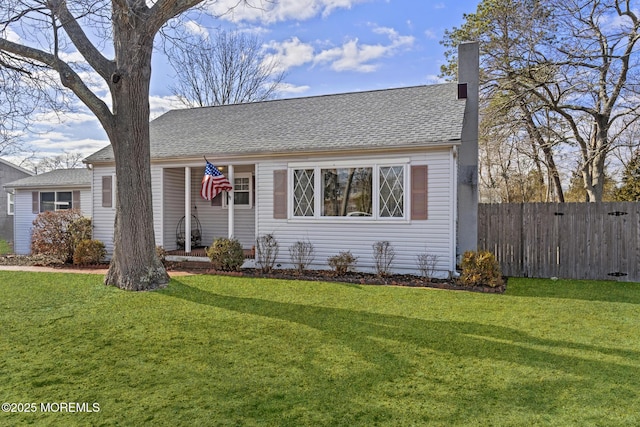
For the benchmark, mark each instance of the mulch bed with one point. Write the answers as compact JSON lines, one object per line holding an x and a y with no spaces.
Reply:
{"x":357,"y":278}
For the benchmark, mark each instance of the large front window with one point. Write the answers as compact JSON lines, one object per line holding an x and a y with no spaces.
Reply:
{"x":346,"y":192}
{"x":366,"y":191}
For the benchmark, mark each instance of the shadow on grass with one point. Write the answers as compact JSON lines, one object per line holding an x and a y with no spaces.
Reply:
{"x":605,"y":291}
{"x":380,"y":339}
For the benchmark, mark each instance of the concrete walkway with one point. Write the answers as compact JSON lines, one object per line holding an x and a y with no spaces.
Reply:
{"x":102,"y":271}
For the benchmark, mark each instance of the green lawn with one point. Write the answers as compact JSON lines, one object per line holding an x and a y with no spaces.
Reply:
{"x":4,"y":247}
{"x":240,"y":352}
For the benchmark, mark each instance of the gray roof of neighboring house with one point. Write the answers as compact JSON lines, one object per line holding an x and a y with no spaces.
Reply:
{"x":16,"y":167}
{"x":55,"y":178}
{"x":419,"y":115}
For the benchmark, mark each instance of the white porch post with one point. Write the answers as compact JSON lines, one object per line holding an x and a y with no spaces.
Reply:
{"x":231,"y":203}
{"x":187,"y":209}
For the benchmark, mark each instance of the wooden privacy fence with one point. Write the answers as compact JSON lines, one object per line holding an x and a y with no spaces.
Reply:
{"x":566,"y":240}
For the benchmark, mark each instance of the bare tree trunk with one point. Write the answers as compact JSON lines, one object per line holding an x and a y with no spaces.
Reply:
{"x":135,"y":265}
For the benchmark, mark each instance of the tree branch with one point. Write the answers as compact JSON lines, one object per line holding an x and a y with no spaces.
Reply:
{"x":68,"y":77}
{"x":96,"y":60}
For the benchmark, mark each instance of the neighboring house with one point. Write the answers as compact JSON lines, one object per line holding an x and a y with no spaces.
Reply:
{"x":50,"y":191}
{"x":8,"y":172}
{"x":341,"y":171}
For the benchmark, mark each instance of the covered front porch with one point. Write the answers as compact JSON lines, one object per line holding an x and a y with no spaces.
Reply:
{"x":191,"y":223}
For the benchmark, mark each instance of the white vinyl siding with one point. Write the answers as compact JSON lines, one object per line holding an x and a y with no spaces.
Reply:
{"x":24,"y":216}
{"x":214,"y":220}
{"x":103,"y":217}
{"x":332,"y":235}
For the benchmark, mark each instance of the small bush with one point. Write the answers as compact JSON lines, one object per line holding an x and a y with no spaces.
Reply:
{"x":342,"y":263}
{"x":427,"y":264}
{"x":384,"y":254}
{"x":89,"y":252}
{"x":161,"y":253}
{"x":53,"y":234}
{"x":267,"y":250}
{"x":226,"y":254}
{"x":302,"y":254}
{"x":79,"y":230}
{"x":480,"y":269}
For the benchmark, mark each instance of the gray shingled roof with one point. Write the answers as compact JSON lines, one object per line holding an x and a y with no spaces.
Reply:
{"x":363,"y":120}
{"x":56,"y":178}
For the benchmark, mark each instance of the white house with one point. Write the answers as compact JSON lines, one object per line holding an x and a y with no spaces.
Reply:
{"x":55,"y":190}
{"x":342,"y":171}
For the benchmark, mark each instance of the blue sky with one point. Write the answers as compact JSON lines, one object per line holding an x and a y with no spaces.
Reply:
{"x":325,"y":46}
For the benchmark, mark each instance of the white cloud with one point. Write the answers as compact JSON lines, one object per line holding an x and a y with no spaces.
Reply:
{"x":195,"y":29}
{"x":161,"y":104}
{"x":282,"y":10}
{"x":434,"y":79}
{"x":289,"y":53}
{"x":430,"y":34}
{"x":351,"y":56}
{"x":288,"y":88}
{"x":10,"y":35}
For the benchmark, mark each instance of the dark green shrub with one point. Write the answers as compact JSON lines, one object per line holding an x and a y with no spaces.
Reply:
{"x":342,"y":263}
{"x":480,"y":268}
{"x":89,"y":252}
{"x":226,"y":254}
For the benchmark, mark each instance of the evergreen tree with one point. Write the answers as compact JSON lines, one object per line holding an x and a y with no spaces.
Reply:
{"x":629,"y":191}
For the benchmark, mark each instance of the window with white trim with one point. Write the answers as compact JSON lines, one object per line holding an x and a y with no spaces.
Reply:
{"x":10,"y":204}
{"x":367,"y":191}
{"x":242,"y":191}
{"x":56,"y":200}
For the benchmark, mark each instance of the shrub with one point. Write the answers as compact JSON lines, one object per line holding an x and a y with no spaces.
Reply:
{"x":226,"y":254}
{"x":302,"y":254}
{"x":161,"y":253}
{"x":267,"y":249}
{"x":427,"y":264}
{"x":384,"y":254}
{"x":79,"y":230}
{"x":342,"y":262}
{"x":480,"y":269}
{"x":89,"y":252}
{"x":53,"y":234}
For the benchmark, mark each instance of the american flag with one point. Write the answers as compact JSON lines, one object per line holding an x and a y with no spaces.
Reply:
{"x":213,"y":182}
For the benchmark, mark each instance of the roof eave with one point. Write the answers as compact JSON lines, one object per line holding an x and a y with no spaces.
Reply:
{"x":258,"y":155}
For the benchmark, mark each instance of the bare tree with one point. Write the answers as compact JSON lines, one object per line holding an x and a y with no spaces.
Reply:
{"x":24,"y":89}
{"x":508,"y":30}
{"x":49,"y":31}
{"x":61,"y":161}
{"x":228,"y":68}
{"x":567,"y":69}
{"x":588,"y":70}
